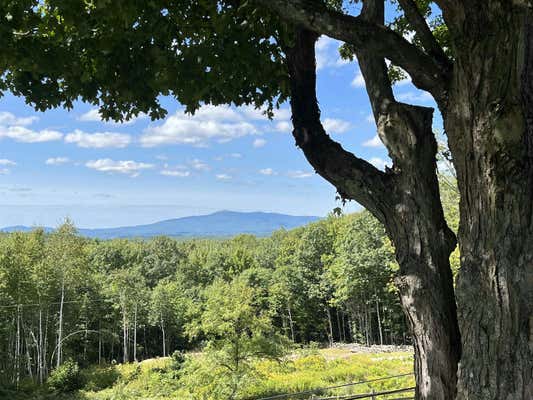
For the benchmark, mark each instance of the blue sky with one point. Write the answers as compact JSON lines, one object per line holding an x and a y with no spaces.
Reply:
{"x":61,"y":164}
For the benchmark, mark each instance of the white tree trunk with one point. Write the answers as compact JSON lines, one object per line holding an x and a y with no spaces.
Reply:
{"x":60,"y":328}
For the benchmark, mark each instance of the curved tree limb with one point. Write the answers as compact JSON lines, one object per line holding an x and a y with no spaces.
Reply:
{"x":417,"y":227}
{"x":353,"y":177}
{"x":426,"y":72}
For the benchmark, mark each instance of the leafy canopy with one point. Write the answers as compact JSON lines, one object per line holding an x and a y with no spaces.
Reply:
{"x":123,"y":55}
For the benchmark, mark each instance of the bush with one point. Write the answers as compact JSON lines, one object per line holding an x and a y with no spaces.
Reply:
{"x":100,"y":377}
{"x":66,"y":378}
{"x":178,"y":359}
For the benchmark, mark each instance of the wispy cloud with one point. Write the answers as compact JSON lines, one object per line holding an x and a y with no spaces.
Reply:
{"x":267,"y":171}
{"x":415,"y":97}
{"x":283,"y":126}
{"x":335,"y":125}
{"x":379,"y":163}
{"x":57,"y":161}
{"x":9,"y":119}
{"x":199,"y":165}
{"x":98,"y":140}
{"x":259,"y":114}
{"x":175,"y":173}
{"x":374,"y":142}
{"x":299,"y":174}
{"x":6,"y":162}
{"x":26,"y":135}
{"x":131,"y":168}
{"x":359,"y":80}
{"x":93,"y":115}
{"x":210,"y":123}
{"x":327,"y":54}
{"x":223,"y":177}
{"x":259,"y":143}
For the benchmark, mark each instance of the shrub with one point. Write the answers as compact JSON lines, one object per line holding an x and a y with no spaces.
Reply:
{"x":178,"y":359}
{"x":66,"y":378}
{"x":100,"y":377}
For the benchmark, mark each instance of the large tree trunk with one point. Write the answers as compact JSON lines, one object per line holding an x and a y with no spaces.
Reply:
{"x":406,"y":199}
{"x":426,"y":291}
{"x":490,"y":128}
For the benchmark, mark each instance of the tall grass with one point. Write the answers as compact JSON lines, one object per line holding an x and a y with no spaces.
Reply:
{"x":158,"y":379}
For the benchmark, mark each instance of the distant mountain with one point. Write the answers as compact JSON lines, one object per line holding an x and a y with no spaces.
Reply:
{"x":222,"y":223}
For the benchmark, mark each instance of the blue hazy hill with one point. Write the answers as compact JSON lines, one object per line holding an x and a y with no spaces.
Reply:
{"x":222,"y":223}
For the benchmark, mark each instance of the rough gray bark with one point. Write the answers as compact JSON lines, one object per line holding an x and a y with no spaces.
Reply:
{"x":490,"y":127}
{"x":486,"y":99}
{"x":405,"y":199}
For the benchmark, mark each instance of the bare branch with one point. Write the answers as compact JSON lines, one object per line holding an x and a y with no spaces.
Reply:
{"x":426,"y":72}
{"x":416,"y":19}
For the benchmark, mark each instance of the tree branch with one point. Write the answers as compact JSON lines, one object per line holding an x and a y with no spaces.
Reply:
{"x":353,"y":177}
{"x":426,"y":72}
{"x":416,"y":19}
{"x":374,"y":68}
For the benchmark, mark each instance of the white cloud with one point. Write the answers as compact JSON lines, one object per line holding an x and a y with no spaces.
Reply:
{"x":379,"y":162}
{"x":223,"y":177}
{"x":94,"y":116}
{"x":6,"y":162}
{"x":131,"y":168}
{"x":98,"y":140}
{"x":370,"y":119}
{"x":359,"y":80}
{"x":57,"y":161}
{"x":217,"y":113}
{"x":210,"y":123}
{"x":259,"y":143}
{"x":327,"y":53}
{"x":25,"y":135}
{"x":333,"y":125}
{"x":299,"y":174}
{"x":284,"y":126}
{"x":267,"y":171}
{"x":259,"y":113}
{"x":7,"y":118}
{"x":181,"y":174}
{"x":374,"y":142}
{"x":199,"y":165}
{"x":230,"y":155}
{"x":415,"y":97}
{"x":91,"y":116}
{"x":15,"y":128}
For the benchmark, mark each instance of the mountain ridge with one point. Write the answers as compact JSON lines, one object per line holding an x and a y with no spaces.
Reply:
{"x":220,"y":223}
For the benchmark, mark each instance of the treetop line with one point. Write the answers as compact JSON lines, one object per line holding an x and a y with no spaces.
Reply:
{"x":145,"y":299}
{"x":475,"y":58}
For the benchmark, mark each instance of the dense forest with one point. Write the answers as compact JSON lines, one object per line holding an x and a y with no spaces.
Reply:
{"x":63,"y":296}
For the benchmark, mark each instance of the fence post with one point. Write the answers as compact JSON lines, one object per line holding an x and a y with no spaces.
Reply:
{"x":373,"y":397}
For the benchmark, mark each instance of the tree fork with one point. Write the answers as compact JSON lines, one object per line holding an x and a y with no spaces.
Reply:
{"x":406,"y":199}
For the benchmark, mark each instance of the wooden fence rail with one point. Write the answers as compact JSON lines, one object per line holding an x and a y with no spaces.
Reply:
{"x":311,"y":392}
{"x":372,"y":395}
